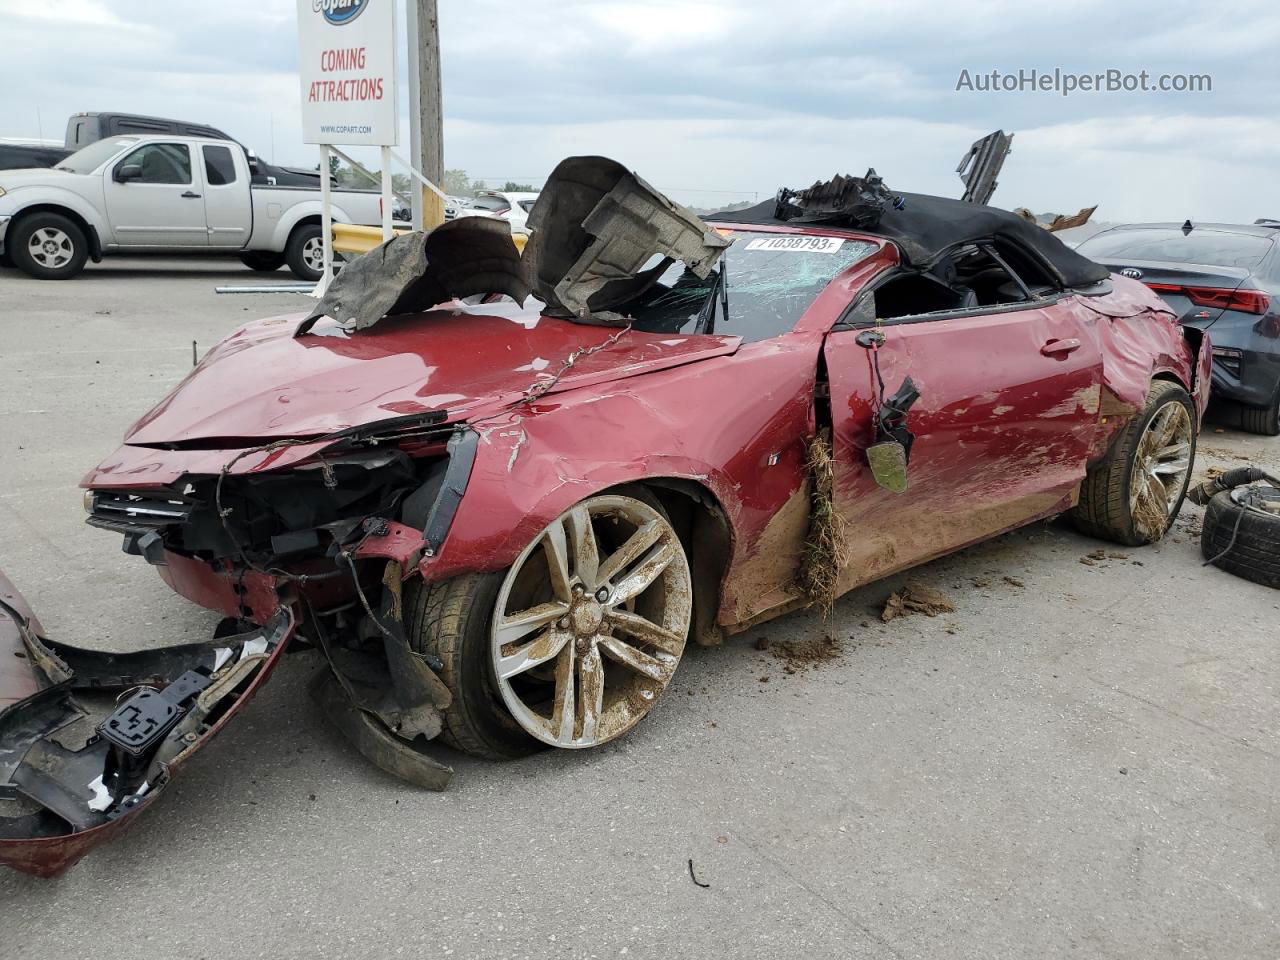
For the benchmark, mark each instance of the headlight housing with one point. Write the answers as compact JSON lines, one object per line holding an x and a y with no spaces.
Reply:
{"x":1,"y":191}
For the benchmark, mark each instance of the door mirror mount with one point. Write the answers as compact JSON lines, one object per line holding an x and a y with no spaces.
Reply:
{"x":128,"y":171}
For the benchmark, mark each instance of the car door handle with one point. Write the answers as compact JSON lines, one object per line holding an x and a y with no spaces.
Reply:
{"x":1055,"y":347}
{"x":190,"y":195}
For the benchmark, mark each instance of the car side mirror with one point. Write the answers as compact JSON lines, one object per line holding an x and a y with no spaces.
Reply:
{"x":127,"y":172}
{"x":252,"y":157}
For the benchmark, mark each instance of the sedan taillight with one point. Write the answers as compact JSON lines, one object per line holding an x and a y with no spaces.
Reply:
{"x":1246,"y":301}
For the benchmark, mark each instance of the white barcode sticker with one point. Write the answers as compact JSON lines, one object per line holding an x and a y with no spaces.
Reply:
{"x":798,"y":244}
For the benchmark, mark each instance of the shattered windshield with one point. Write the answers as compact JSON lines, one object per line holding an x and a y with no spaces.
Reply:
{"x":772,"y":280}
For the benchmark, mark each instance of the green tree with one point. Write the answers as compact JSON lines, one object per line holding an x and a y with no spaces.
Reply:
{"x":456,"y":183}
{"x":512,"y":187}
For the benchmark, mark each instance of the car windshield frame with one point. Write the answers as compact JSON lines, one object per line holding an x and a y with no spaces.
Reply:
{"x":92,"y":156}
{"x":771,"y":284}
{"x":1126,"y":245}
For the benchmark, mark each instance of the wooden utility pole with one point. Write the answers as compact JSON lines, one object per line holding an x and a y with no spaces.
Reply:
{"x":425,"y":116}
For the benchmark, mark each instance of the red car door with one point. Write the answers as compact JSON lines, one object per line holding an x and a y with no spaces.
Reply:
{"x":1008,"y":405}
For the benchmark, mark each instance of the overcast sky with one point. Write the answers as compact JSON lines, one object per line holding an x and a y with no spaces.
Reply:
{"x":739,"y":96}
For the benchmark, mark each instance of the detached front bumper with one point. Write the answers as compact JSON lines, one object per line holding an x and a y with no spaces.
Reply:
{"x":89,"y":739}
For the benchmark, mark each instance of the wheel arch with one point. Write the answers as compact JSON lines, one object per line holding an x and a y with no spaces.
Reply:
{"x":703,"y":526}
{"x":302,"y":214}
{"x":698,"y":513}
{"x":75,"y":216}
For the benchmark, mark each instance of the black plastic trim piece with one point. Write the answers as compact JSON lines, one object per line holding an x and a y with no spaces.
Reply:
{"x":462,"y":456}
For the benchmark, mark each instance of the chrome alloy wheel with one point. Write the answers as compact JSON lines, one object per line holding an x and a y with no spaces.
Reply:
{"x":51,"y":248}
{"x":313,"y":253}
{"x":591,"y":621}
{"x":1160,"y":465}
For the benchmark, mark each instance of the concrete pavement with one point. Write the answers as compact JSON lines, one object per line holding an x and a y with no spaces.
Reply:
{"x":1082,"y":762}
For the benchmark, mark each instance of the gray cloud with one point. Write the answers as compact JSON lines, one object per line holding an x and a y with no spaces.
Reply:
{"x":737,"y":96}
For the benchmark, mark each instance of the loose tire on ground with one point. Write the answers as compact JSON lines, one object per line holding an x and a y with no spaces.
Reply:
{"x":48,"y":246}
{"x":1106,"y":509}
{"x":300,"y":252}
{"x":1255,"y":552}
{"x":262,"y":260}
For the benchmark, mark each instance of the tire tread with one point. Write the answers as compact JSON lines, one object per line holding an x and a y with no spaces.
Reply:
{"x":1103,"y":508}
{"x":1255,"y":556}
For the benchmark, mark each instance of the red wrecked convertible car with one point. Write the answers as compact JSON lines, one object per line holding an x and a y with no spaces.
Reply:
{"x":503,"y":524}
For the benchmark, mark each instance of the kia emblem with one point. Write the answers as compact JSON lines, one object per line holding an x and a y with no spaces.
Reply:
{"x":1133,"y":273}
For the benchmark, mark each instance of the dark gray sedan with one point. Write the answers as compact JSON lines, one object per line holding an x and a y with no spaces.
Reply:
{"x":1214,"y":275}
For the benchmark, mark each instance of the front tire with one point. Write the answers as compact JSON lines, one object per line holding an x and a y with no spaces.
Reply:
{"x":305,"y":252}
{"x":1133,"y":495}
{"x":574,"y":643}
{"x":48,"y":246}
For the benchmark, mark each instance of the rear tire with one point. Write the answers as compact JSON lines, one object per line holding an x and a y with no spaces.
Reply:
{"x":1106,"y":509}
{"x":1262,"y":420}
{"x":47,"y":246}
{"x":262,"y":260}
{"x":304,"y":252}
{"x":1255,"y":552}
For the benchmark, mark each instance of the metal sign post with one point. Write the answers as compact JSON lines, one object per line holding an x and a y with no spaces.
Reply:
{"x":326,"y":223}
{"x":347,"y":56}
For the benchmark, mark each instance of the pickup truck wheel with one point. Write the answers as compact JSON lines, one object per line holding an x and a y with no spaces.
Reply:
{"x":305,"y":252}
{"x":48,"y":246}
{"x":263,"y":260}
{"x":1133,"y":495}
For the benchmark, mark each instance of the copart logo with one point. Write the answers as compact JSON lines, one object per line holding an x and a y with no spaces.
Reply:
{"x":1133,"y":273}
{"x":339,"y":12}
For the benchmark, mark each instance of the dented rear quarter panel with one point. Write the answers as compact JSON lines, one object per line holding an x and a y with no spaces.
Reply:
{"x":1141,"y":340}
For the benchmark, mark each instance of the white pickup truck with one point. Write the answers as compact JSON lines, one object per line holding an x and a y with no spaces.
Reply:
{"x":164,"y":194}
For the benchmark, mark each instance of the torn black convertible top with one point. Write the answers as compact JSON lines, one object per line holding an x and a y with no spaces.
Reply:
{"x":925,"y":227}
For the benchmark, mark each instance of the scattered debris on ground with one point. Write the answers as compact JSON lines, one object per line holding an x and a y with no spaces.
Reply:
{"x":797,"y":655}
{"x":915,"y":598}
{"x":1014,"y":582}
{"x":1093,"y":557}
{"x":694,"y":877}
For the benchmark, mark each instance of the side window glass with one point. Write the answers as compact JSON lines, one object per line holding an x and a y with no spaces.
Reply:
{"x":219,"y":167}
{"x":161,"y":163}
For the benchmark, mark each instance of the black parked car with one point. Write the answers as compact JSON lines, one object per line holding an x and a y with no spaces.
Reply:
{"x":1220,"y":277}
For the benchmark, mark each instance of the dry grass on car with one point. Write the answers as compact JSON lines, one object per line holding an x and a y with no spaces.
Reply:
{"x":825,"y":549}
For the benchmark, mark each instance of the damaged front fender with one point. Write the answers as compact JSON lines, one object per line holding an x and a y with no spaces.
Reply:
{"x":89,"y":739}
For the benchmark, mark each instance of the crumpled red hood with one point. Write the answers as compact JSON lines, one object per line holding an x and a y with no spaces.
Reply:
{"x":263,"y":383}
